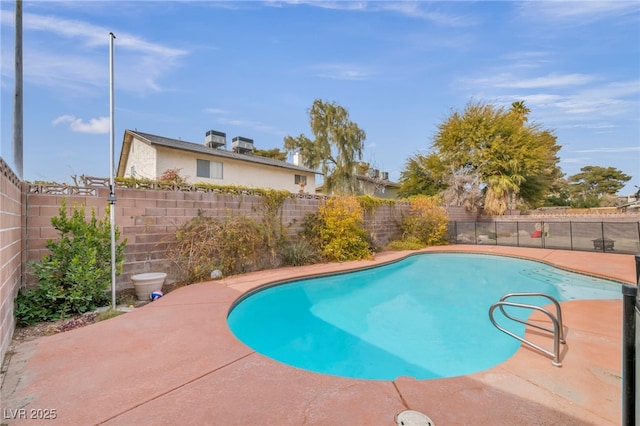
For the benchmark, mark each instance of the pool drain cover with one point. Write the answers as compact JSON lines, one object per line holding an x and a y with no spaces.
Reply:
{"x":413,"y":418}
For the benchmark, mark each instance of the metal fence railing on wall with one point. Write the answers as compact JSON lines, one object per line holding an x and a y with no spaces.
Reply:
{"x":608,"y":237}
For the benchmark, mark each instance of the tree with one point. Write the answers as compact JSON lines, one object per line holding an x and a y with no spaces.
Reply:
{"x":463,"y":189}
{"x":511,"y":159}
{"x":274,"y":153}
{"x":520,"y":110}
{"x":336,"y":149}
{"x":594,"y":182}
{"x":558,"y":193}
{"x":423,"y":175}
{"x":536,"y":187}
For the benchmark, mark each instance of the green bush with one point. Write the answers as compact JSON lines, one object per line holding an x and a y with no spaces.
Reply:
{"x":75,"y":276}
{"x":427,"y":221}
{"x":298,"y":254}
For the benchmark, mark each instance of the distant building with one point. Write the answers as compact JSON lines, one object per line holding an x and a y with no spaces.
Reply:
{"x":630,"y":202}
{"x":375,"y":184}
{"x":144,"y":155}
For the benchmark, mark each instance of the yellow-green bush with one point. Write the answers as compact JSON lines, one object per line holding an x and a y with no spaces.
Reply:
{"x":426,"y":221}
{"x":342,"y":234}
{"x":411,"y":243}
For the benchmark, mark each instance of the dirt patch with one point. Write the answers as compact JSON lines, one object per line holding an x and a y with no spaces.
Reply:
{"x":126,"y":297}
{"x":23,"y":334}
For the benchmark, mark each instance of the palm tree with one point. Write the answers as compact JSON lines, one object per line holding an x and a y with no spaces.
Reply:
{"x":521,"y":110}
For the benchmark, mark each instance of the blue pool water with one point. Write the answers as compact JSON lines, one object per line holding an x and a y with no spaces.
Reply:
{"x":425,"y":316}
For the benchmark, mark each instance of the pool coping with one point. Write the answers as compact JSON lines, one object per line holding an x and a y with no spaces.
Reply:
{"x":405,"y":255}
{"x":175,"y":361}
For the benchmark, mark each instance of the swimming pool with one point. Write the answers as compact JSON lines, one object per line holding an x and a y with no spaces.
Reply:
{"x":425,"y":316}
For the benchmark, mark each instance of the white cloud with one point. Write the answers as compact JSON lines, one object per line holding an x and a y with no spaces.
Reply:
{"x":412,"y":9}
{"x":509,"y":81}
{"x":611,"y":149}
{"x":250,"y":125}
{"x":424,"y":11}
{"x":340,"y":72}
{"x":578,"y":12}
{"x":81,"y":68}
{"x":94,"y":35}
{"x":575,"y":160}
{"x":567,"y":100}
{"x":95,"y":125}
{"x":215,"y":111}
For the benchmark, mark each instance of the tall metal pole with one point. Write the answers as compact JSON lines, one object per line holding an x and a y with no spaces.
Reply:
{"x":112,"y":194}
{"x":17,"y":100}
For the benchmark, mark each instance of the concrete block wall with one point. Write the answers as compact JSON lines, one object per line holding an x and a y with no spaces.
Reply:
{"x":383,"y":224}
{"x":12,"y":213}
{"x":148,"y":219}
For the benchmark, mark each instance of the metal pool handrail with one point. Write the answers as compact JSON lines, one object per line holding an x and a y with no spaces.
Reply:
{"x":558,"y":330}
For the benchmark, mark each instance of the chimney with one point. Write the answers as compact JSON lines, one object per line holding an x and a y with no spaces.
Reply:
{"x":297,"y":158}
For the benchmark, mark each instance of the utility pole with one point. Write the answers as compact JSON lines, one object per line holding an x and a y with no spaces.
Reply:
{"x":112,"y":191}
{"x":17,"y":100}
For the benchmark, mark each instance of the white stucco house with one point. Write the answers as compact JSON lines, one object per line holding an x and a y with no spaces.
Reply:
{"x":144,"y":155}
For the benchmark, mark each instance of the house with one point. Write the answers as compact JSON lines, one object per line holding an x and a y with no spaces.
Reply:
{"x":377,"y":184}
{"x":144,"y":155}
{"x":373,"y":183}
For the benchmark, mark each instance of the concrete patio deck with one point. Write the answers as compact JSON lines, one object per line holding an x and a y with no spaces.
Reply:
{"x":174,"y":361}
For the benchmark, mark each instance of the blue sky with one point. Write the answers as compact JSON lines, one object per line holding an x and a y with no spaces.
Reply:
{"x":253,"y":69}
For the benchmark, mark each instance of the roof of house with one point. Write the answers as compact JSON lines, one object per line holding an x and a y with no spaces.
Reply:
{"x":198,"y":149}
{"x":385,"y":183}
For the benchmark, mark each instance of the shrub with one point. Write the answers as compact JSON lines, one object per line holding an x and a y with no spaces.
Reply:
{"x":74,"y":277}
{"x":426,"y":221}
{"x":298,"y":254}
{"x":411,"y":243}
{"x":342,"y":235}
{"x":172,"y":176}
{"x":234,"y":245}
{"x":274,"y":232}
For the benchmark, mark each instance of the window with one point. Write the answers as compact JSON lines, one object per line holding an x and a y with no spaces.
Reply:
{"x":203,"y":169}
{"x":216,"y":170}
{"x":300,"y":179}
{"x":208,"y":169}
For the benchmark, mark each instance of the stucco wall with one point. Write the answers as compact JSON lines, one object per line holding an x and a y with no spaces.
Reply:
{"x":11,"y":246}
{"x":235,"y":172}
{"x":143,"y":156}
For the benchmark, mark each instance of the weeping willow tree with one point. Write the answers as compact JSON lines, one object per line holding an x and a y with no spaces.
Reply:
{"x":336,"y":148}
{"x":512,"y":159}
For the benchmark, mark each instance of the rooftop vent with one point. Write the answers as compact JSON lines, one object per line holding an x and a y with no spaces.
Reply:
{"x":373,"y":173}
{"x":215,"y":139}
{"x":242,"y":145}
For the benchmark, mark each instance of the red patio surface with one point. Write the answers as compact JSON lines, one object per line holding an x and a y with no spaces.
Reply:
{"x":174,"y":361}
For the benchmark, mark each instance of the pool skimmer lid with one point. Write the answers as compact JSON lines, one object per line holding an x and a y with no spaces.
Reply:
{"x":413,"y":418}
